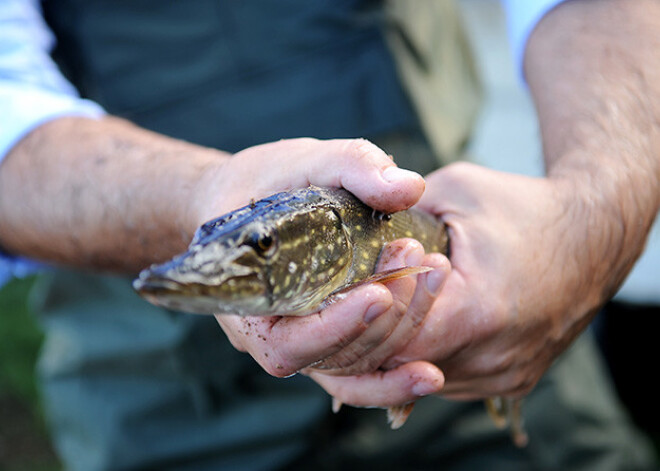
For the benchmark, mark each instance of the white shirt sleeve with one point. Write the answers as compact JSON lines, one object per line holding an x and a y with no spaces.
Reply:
{"x":523,"y":16}
{"x":32,"y":91}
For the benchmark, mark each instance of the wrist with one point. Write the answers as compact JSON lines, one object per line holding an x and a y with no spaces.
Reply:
{"x":605,"y":225}
{"x":209,"y":193}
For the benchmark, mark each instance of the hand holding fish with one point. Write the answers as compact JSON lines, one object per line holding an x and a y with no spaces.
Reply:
{"x":291,"y":254}
{"x":517,"y":295}
{"x":354,"y":375}
{"x":355,"y":164}
{"x":522,"y":287}
{"x":413,"y":298}
{"x":369,"y":314}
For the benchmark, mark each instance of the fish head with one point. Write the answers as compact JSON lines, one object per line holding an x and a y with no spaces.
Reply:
{"x":284,"y":261}
{"x":217,"y":276}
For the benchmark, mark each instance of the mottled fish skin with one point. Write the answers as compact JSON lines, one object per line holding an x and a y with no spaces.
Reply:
{"x":283,"y":255}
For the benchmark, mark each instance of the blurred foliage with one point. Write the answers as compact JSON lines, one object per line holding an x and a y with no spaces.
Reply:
{"x":20,"y":339}
{"x":24,"y":444}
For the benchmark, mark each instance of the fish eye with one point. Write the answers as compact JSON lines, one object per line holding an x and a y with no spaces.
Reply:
{"x":261,"y":243}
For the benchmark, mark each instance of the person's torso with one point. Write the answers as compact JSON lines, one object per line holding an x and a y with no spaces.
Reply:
{"x":234,"y":74}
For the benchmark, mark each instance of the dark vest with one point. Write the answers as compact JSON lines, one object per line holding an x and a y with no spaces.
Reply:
{"x":231,"y":74}
{"x":227,"y":74}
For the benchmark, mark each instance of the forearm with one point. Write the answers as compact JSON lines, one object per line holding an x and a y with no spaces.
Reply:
{"x":593,"y":70}
{"x":100,"y":194}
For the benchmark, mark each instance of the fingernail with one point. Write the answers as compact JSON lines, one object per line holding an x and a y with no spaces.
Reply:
{"x":375,"y":310}
{"x":396,"y":174}
{"x":414,"y":258}
{"x":423,"y":389}
{"x":434,"y":280}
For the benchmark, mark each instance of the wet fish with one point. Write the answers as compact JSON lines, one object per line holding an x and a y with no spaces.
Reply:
{"x":290,"y":254}
{"x":284,"y":255}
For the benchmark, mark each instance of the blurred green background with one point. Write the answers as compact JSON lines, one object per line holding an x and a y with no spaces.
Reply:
{"x":24,"y":444}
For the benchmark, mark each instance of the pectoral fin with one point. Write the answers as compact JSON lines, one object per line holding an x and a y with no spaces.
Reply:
{"x":394,"y":274}
{"x":384,"y":276}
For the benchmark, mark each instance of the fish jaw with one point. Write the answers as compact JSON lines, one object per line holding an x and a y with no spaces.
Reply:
{"x":221,"y":275}
{"x":229,"y":268}
{"x":234,"y":288}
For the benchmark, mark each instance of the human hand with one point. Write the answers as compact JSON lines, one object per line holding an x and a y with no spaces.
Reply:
{"x":534,"y":258}
{"x":525,"y":282}
{"x":353,"y":374}
{"x":354,"y":164}
{"x":413,"y":297}
{"x":523,"y":285}
{"x":284,"y":345}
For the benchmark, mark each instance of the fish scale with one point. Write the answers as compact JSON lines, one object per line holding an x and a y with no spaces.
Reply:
{"x":290,"y":254}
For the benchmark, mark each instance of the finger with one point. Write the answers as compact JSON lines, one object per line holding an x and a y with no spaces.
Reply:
{"x":284,"y":345}
{"x":231,"y":329}
{"x":400,"y":253}
{"x":427,"y":288}
{"x":510,"y":384}
{"x":401,"y":385}
{"x":354,"y":164}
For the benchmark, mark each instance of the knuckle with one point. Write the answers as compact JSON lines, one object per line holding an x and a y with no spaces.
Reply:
{"x":359,"y":146}
{"x":361,"y":367}
{"x":496,"y":318}
{"x":460,"y":166}
{"x":525,"y":390}
{"x":339,"y":362}
{"x":530,"y":383}
{"x":502,"y":362}
{"x":399,"y":308}
{"x":277,"y":366}
{"x":522,"y":390}
{"x":337,"y":336}
{"x":361,"y":150}
{"x":302,"y":142}
{"x":279,"y":371}
{"x":520,"y":385}
{"x":238,"y":345}
{"x":345,"y":395}
{"x":490,"y":364}
{"x":458,"y":171}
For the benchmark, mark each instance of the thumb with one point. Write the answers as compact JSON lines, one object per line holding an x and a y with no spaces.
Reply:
{"x":354,"y":164}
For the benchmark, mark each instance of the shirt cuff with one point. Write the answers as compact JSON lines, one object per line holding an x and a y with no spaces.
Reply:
{"x":13,"y":267}
{"x":32,"y":106}
{"x":523,"y":16}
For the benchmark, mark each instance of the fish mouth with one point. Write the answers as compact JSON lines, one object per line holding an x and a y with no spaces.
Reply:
{"x":170,"y":294}
{"x":151,"y":282}
{"x":164,"y":291}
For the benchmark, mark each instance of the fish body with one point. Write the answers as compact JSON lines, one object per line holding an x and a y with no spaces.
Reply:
{"x":283,"y":255}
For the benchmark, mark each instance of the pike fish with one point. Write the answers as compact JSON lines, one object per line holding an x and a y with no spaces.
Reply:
{"x":292,"y":253}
